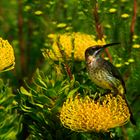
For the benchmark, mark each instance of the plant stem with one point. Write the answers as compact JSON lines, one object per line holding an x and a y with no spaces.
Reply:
{"x":99,"y":28}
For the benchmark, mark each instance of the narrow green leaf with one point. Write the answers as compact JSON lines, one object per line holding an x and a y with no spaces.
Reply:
{"x":71,"y":93}
{"x":25,"y":92}
{"x":42,"y":83}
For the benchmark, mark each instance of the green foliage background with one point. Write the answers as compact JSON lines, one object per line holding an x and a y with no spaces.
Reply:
{"x":32,"y":94}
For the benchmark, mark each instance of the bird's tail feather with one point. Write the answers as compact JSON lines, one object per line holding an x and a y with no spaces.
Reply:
{"x":122,"y":91}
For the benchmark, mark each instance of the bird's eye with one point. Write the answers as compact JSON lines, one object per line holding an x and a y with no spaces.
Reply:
{"x":91,"y":51}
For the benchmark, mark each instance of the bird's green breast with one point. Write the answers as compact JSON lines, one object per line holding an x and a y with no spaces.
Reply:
{"x":101,"y":76}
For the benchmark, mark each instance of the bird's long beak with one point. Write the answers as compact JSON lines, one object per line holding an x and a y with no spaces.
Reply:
{"x":111,"y":44}
{"x":105,"y":46}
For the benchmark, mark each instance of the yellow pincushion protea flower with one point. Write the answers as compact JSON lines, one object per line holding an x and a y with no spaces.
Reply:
{"x":85,"y":114}
{"x":7,"y":58}
{"x":81,"y":42}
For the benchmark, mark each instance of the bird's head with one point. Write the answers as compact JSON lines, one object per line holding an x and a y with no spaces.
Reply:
{"x":93,"y":52}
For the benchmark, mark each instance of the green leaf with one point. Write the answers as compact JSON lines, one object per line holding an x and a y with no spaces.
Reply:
{"x":63,"y":89}
{"x":42,"y":82}
{"x":25,"y":108}
{"x":25,"y":92}
{"x":39,"y":105}
{"x":52,"y":93}
{"x":59,"y":103}
{"x":44,"y":100}
{"x":72,"y":92}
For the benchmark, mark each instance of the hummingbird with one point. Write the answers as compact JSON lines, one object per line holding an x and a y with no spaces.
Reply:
{"x":104,"y":74}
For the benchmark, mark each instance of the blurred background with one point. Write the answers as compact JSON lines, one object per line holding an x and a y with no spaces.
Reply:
{"x":27,"y":25}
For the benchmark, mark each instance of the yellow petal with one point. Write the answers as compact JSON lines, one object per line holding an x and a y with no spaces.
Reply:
{"x":7,"y":57}
{"x":81,"y":42}
{"x":112,"y":10}
{"x":85,"y":114}
{"x":125,"y":15}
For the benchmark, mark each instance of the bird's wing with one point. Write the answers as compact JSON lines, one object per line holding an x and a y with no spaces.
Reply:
{"x":114,"y":71}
